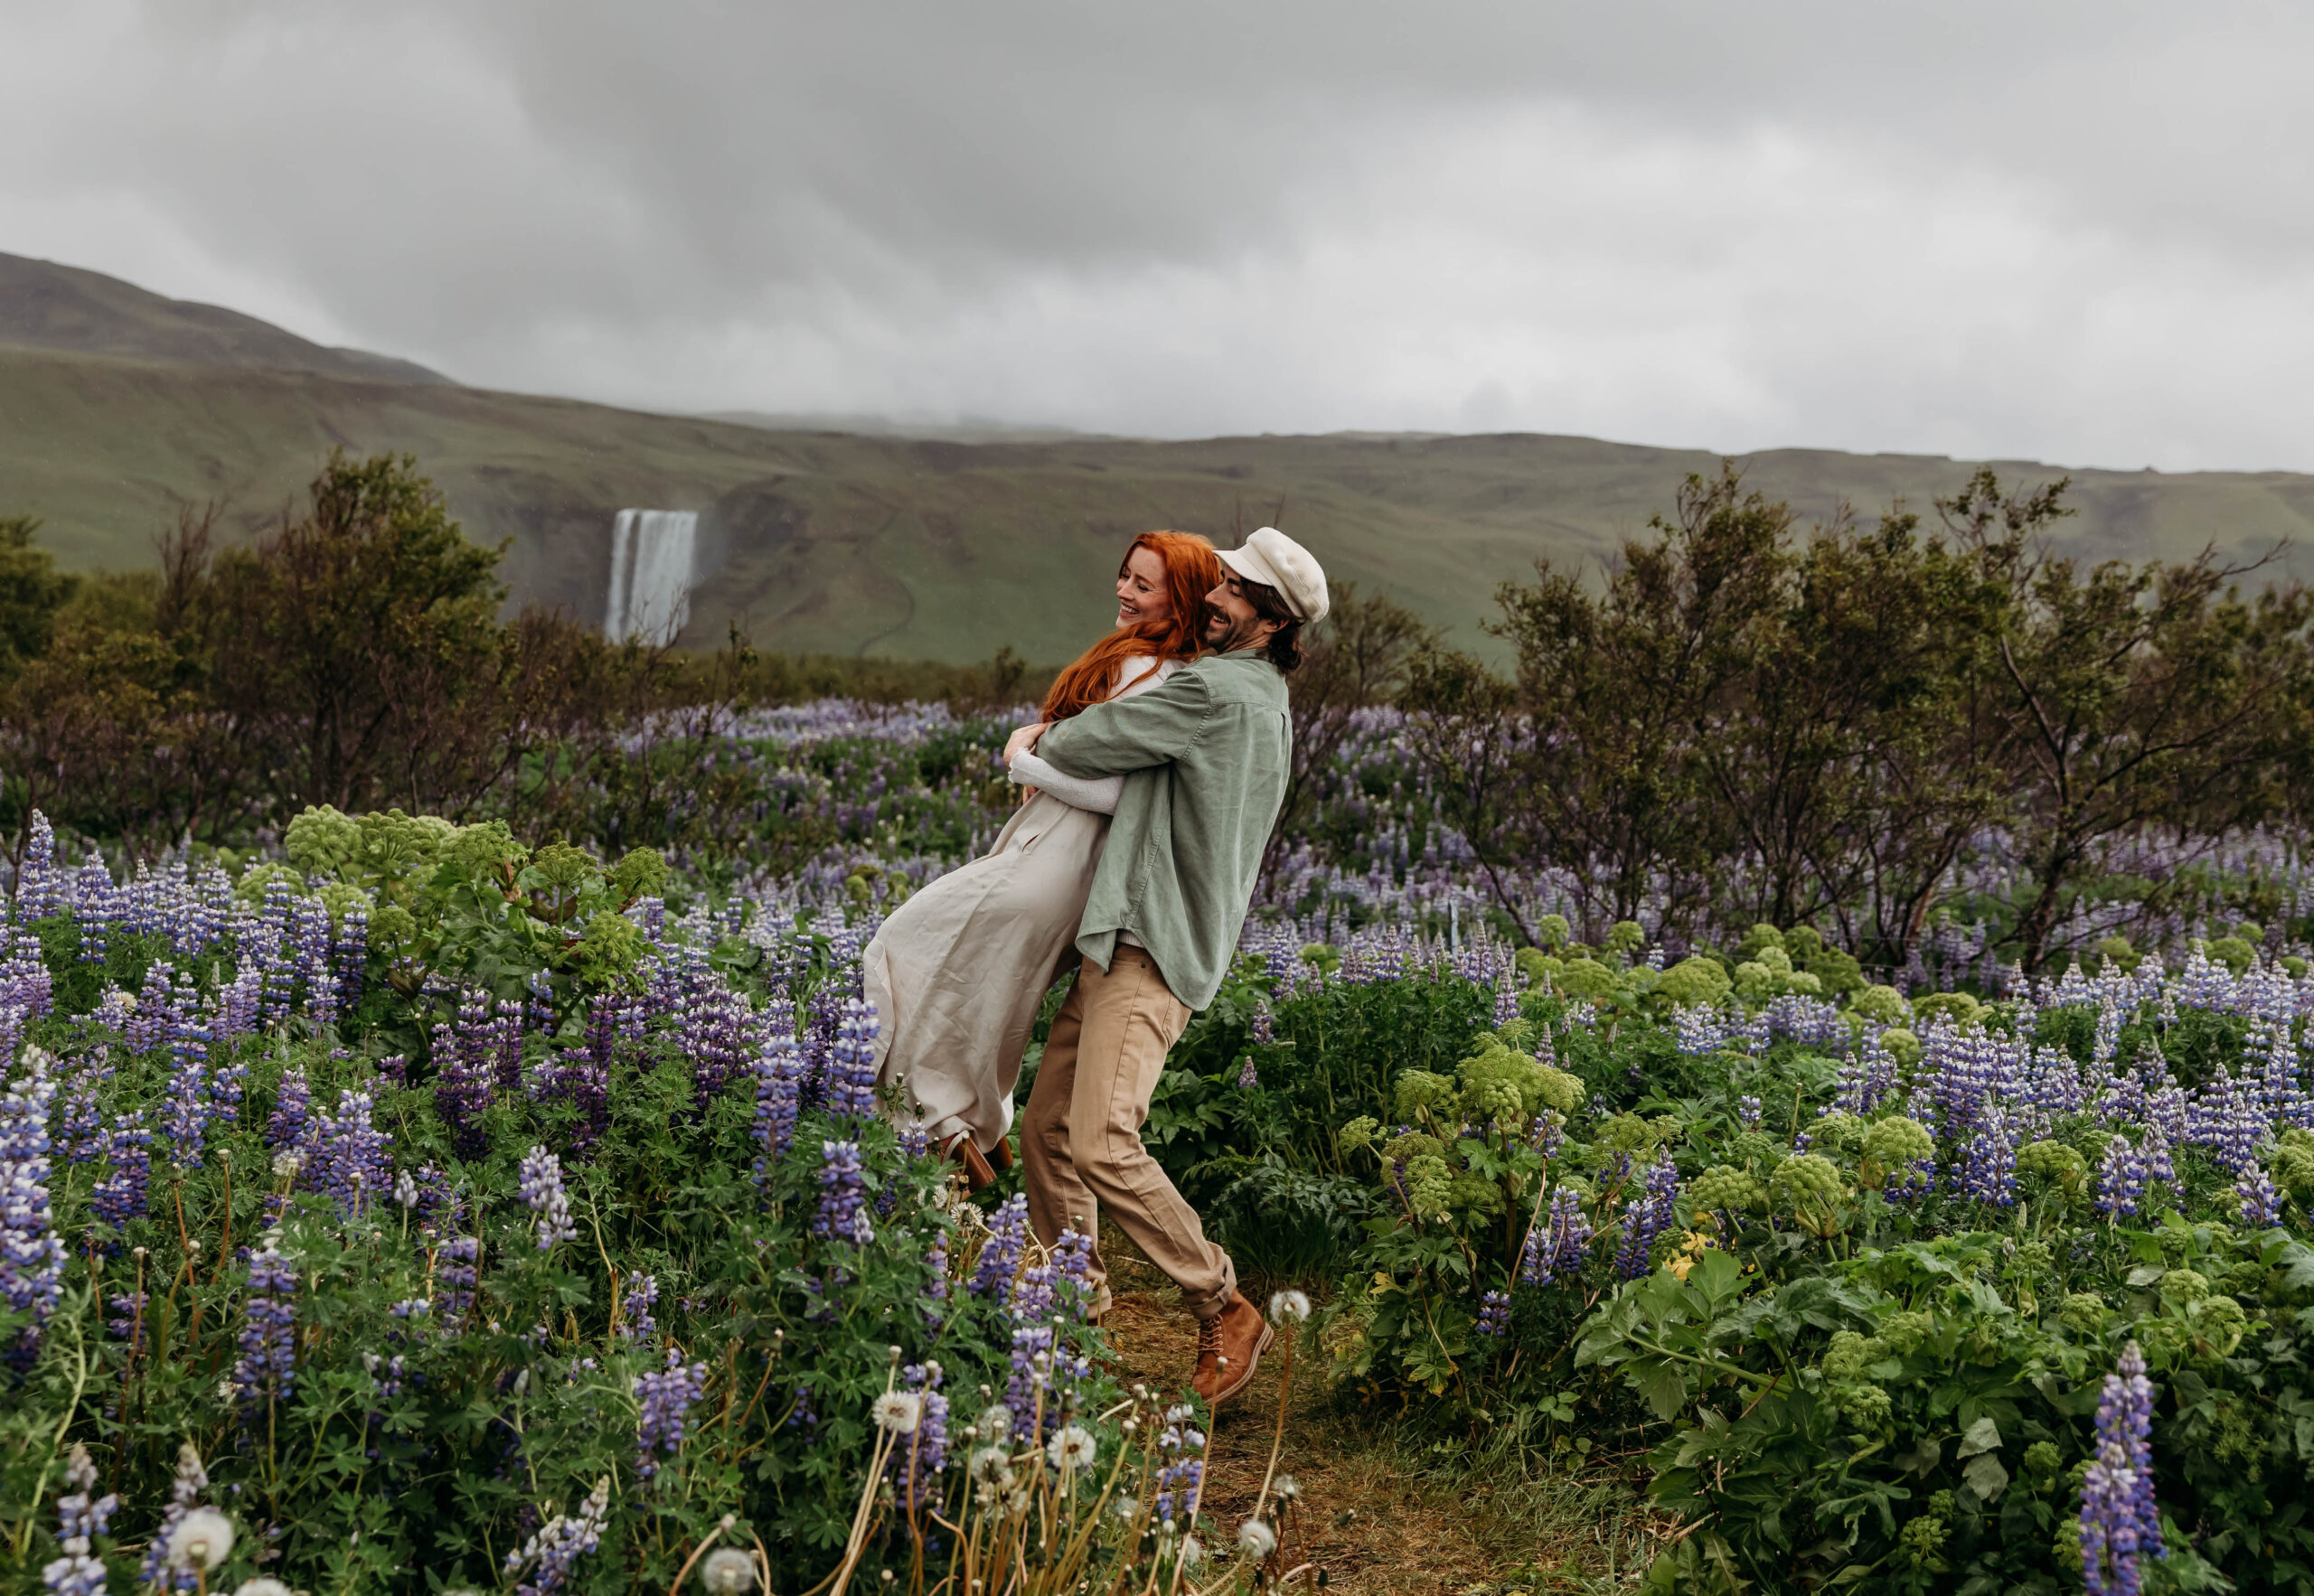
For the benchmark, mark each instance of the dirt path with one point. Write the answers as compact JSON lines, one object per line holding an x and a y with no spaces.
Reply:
{"x":1367,"y":1514}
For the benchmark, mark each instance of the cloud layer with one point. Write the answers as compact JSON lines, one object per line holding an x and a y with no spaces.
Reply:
{"x":2067,"y":231}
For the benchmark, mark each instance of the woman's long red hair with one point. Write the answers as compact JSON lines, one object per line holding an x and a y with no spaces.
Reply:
{"x":1192,"y":570}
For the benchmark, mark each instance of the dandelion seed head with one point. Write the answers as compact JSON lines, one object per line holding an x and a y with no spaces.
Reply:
{"x":203,"y":1539}
{"x":899,"y":1411}
{"x":727,"y":1571}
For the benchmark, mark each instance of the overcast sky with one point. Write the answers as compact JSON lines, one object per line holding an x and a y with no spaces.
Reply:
{"x":2077,"y":233}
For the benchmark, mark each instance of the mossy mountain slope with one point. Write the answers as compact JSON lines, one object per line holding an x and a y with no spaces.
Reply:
{"x":936,"y":549}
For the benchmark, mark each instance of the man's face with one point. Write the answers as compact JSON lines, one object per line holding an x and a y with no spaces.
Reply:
{"x":1230,"y":621}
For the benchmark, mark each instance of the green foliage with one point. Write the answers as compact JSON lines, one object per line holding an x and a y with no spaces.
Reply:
{"x":32,"y":593}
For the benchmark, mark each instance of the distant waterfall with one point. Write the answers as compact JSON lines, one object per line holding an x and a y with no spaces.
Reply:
{"x":651,"y":575}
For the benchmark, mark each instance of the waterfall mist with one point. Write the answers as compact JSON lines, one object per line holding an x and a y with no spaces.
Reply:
{"x":652,"y":556}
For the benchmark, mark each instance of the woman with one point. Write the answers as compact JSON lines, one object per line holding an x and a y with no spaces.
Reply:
{"x":956,"y":976}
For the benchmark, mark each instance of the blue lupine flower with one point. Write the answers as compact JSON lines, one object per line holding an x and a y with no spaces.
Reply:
{"x":2118,"y":1524}
{"x":842,"y":1212}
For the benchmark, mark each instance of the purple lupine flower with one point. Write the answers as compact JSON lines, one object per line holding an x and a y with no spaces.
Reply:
{"x":779,"y":1099}
{"x":927,"y":1453}
{"x":459,"y":1269}
{"x":1177,"y":1480}
{"x":1747,"y":1113}
{"x":80,"y":1137}
{"x":1506,"y":998}
{"x":185,"y":1491}
{"x":1072,"y":1258}
{"x":191,"y":1103}
{"x":1494,"y":1314}
{"x":32,"y":1258}
{"x":842,"y":1212}
{"x":2260,"y":1204}
{"x":1031,"y":1365}
{"x":935,"y":1290}
{"x":1247,"y":1079}
{"x":852,"y":1062}
{"x":1548,"y":1132}
{"x":1559,"y":1243}
{"x":1264,"y":1026}
{"x":2121,"y":1177}
{"x":344,"y":1155}
{"x":126,"y":1150}
{"x":999,"y":1255}
{"x":542,"y":1185}
{"x":1646,"y":1217}
{"x":1988,"y":1162}
{"x":292,"y":1106}
{"x":266,"y":1369}
{"x":2119,"y":1523}
{"x":636,"y":1298}
{"x":463,"y":1092}
{"x":80,"y":1520}
{"x":552,"y":1554}
{"x":128,"y":1318}
{"x":664,"y":1399}
{"x":716,"y":1039}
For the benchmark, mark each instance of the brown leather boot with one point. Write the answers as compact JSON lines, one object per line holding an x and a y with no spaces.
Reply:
{"x":1229,"y":1346}
{"x":959,"y":1147}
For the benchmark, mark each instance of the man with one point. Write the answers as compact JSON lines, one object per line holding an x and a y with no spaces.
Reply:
{"x":1205,"y":758}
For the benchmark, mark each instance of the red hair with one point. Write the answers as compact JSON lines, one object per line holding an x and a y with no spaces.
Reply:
{"x":1192,"y":570}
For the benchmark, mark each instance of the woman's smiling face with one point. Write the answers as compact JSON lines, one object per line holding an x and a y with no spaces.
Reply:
{"x":1142,"y":597}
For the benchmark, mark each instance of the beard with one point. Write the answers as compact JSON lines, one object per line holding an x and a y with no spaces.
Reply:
{"x":1225,"y":635}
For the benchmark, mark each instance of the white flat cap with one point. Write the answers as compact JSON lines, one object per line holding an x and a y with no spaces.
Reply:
{"x":1276,"y":561}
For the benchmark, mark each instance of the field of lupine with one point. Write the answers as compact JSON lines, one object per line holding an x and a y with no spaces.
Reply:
{"x":404,"y":1207}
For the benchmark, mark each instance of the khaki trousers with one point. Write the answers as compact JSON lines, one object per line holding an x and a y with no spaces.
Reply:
{"x":1080,"y":1134}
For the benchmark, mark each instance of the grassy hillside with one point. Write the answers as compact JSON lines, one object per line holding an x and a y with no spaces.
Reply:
{"x":44,"y":305}
{"x":938,"y":548}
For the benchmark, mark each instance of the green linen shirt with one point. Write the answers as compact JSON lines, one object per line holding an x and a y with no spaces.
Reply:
{"x":1204,"y":757}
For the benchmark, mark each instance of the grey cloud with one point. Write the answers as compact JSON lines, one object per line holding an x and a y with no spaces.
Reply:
{"x":1990,"y":228}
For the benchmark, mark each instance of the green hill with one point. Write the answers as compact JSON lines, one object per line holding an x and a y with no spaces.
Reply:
{"x":913,"y":546}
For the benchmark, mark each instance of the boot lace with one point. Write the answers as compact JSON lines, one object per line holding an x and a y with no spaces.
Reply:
{"x":1208,"y":1337}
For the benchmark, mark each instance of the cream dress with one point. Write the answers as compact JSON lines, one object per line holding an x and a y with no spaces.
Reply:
{"x":956,"y":975}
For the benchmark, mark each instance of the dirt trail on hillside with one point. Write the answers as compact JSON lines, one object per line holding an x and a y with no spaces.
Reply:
{"x":1371,"y":1522}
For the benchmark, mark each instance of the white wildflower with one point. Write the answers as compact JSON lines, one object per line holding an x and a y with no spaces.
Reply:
{"x":405,"y":1191}
{"x":898,"y":1412}
{"x":201,"y":1539}
{"x":261,"y":1586}
{"x":227,"y":1391}
{"x":727,"y":1571}
{"x":1181,"y":1412}
{"x":1072,"y":1447}
{"x":1289,"y":1307}
{"x":1256,"y":1539}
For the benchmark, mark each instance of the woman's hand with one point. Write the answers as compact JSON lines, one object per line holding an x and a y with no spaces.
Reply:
{"x":1023,"y":740}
